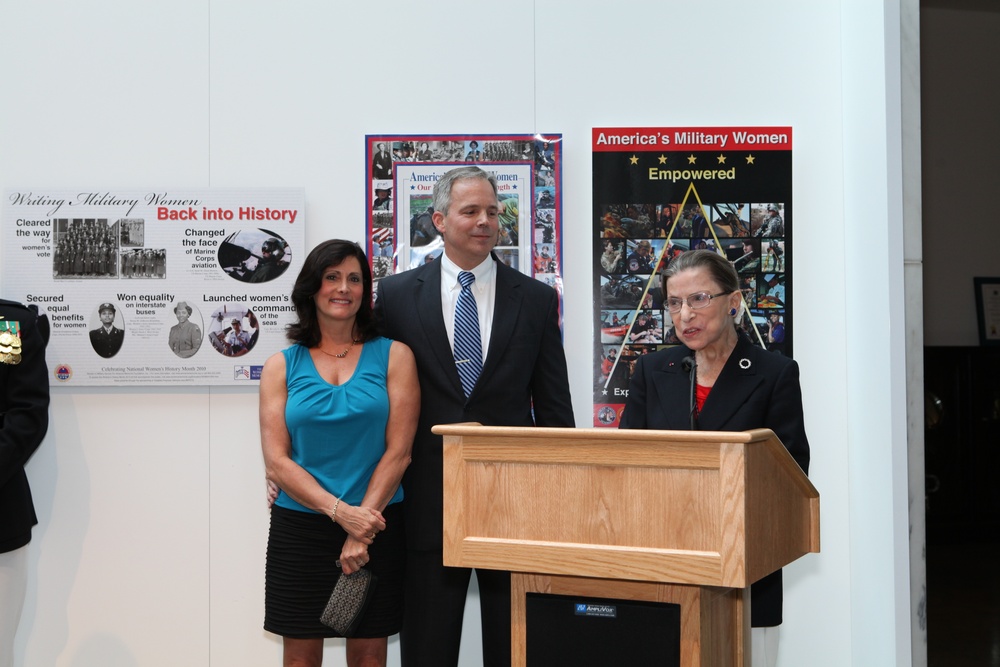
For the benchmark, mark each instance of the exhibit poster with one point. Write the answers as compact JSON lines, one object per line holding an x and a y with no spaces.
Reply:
{"x":662,"y":191}
{"x":401,"y":171}
{"x":157,"y":286}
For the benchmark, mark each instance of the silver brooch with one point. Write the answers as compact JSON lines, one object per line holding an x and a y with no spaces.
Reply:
{"x":744,"y":363}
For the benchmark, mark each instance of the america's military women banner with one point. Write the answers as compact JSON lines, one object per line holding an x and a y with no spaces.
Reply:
{"x":155,"y":286}
{"x":659,"y":192}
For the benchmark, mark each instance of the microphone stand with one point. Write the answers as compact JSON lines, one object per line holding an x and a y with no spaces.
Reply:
{"x":691,"y":366}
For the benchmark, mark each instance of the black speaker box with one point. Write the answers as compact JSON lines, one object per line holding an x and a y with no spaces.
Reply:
{"x":579,"y":631}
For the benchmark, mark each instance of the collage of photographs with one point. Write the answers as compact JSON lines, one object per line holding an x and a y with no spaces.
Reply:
{"x":101,"y":248}
{"x":401,"y":223}
{"x":636,"y":242}
{"x":97,"y":248}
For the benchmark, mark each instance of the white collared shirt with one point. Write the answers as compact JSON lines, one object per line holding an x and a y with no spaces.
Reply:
{"x":484,"y":289}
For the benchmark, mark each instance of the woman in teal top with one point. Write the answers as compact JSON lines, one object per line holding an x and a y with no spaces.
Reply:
{"x":338,"y":411}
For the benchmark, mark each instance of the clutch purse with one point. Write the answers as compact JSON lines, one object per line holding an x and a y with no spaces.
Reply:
{"x":348,"y":601}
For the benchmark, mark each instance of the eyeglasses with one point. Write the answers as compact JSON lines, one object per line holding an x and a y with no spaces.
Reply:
{"x":695,"y":301}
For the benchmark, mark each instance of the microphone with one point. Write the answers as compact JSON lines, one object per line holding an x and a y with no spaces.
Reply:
{"x":690,"y":366}
{"x":687,"y":363}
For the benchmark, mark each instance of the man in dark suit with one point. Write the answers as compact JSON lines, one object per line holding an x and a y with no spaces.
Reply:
{"x":107,"y":339}
{"x":523,"y":382}
{"x":24,"y":418}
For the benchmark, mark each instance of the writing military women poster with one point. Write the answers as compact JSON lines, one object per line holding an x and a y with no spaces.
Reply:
{"x":155,"y":286}
{"x":659,"y":192}
{"x":402,"y":171}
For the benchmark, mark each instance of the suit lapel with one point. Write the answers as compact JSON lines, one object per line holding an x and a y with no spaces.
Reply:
{"x":672,"y":389}
{"x":431,"y":318}
{"x":506,"y":306}
{"x":735,"y":385}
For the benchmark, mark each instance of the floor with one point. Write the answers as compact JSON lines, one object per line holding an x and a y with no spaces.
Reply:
{"x":963,"y":605}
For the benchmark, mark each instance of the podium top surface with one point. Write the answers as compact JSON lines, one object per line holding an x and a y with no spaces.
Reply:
{"x":603,"y":434}
{"x":694,"y":507}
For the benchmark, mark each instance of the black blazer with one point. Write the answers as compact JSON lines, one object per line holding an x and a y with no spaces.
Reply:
{"x":24,"y":418}
{"x":756,"y":389}
{"x":524,"y":381}
{"x":105,"y":343}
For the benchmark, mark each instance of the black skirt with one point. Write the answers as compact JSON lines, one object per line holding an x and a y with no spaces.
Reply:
{"x":301,"y":571}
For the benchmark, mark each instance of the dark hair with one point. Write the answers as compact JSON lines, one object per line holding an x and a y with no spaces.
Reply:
{"x":718,"y":267}
{"x":327,"y":254}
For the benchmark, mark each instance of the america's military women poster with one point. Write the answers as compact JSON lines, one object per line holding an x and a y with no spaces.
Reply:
{"x":401,"y":171}
{"x":659,"y":192}
{"x":155,"y":286}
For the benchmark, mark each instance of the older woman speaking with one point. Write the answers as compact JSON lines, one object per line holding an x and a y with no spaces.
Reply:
{"x":717,"y":380}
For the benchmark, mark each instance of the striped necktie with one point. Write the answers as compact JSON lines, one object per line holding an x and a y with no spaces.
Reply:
{"x":468,"y":342}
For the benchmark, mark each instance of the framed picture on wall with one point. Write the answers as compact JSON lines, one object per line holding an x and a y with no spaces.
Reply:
{"x":401,"y":171}
{"x":988,"y":310}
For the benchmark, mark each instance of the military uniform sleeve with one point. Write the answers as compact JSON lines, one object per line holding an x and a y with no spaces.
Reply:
{"x":25,"y":405}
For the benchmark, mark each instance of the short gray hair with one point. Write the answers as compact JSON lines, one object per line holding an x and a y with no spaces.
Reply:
{"x":442,"y":189}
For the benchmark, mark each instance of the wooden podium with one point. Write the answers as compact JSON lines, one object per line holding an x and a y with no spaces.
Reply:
{"x":685,"y":517}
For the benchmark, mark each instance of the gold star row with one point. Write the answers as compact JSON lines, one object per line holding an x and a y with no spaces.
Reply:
{"x":692,"y":159}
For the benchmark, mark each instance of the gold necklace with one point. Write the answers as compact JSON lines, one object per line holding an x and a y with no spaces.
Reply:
{"x":342,"y":354}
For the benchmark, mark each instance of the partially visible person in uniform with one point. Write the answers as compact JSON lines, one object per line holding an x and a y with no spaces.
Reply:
{"x":545,"y":199}
{"x":646,"y":329}
{"x":107,"y":339}
{"x":423,"y":153}
{"x":474,"y":154}
{"x":775,"y":255}
{"x":641,"y":261}
{"x":24,"y":418}
{"x":237,"y":341}
{"x":185,"y":336}
{"x":383,"y":199}
{"x":269,"y":266}
{"x":611,"y":259}
{"x":775,"y":329}
{"x":772,"y":225}
{"x":608,"y":363}
{"x":775,"y":287}
{"x":509,"y":216}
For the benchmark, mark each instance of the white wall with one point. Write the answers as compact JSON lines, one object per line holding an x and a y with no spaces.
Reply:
{"x":151,"y":542}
